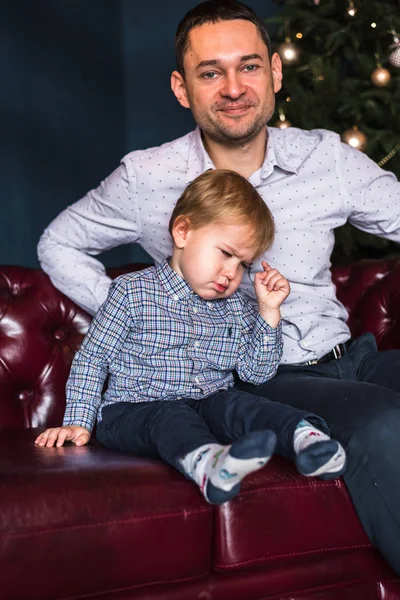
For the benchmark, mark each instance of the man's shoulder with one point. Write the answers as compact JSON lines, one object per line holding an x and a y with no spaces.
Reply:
{"x":295,"y":146}
{"x":294,"y":136}
{"x":175,"y":149}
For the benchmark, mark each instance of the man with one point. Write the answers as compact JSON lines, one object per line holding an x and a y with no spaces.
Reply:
{"x":312,"y":183}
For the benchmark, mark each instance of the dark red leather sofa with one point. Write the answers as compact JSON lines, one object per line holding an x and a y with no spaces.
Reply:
{"x":87,"y":523}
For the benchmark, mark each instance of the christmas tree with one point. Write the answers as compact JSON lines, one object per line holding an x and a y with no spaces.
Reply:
{"x":341,"y":68}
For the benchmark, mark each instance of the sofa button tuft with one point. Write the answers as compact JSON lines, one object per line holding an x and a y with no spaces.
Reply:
{"x":25,"y":395}
{"x":60,"y":334}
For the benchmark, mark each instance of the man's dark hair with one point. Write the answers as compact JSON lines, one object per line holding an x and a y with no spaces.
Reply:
{"x":213,"y":11}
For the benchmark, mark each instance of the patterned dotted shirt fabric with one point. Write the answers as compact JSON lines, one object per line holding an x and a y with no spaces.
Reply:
{"x":310,"y":180}
{"x":157,"y":340}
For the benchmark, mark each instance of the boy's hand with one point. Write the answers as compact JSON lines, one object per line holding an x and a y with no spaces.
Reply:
{"x":271,"y":290}
{"x":58,"y":435}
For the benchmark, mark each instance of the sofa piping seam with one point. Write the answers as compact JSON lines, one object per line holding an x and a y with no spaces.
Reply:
{"x":291,"y":554}
{"x":104,"y":524}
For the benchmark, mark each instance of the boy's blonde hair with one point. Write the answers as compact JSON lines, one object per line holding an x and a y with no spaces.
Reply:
{"x":223,"y":196}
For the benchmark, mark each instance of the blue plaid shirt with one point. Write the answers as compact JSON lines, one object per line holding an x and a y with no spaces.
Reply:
{"x":157,"y":340}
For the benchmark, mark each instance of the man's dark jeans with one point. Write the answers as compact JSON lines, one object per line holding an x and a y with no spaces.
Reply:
{"x":358,"y":396}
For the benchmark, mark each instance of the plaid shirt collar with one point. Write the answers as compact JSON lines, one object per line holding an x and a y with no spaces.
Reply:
{"x":173,"y":284}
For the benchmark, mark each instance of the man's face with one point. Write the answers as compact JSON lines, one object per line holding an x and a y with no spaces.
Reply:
{"x":229,"y":82}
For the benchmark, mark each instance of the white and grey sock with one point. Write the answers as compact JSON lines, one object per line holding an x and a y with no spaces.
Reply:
{"x":316,"y":453}
{"x":218,"y":470}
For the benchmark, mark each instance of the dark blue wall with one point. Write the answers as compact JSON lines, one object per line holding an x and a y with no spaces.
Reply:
{"x":83,"y":82}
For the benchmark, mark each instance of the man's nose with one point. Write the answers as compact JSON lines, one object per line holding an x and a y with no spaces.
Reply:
{"x":233,"y":86}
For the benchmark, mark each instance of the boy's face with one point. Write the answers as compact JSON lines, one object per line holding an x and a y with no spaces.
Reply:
{"x":212,"y":259}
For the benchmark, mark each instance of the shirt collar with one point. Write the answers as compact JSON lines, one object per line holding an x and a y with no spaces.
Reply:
{"x":173,"y":284}
{"x":278,"y":152}
{"x":276,"y":155}
{"x":198,"y":160}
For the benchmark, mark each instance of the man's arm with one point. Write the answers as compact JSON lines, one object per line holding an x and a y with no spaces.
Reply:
{"x":103,"y":219}
{"x":373,"y":194}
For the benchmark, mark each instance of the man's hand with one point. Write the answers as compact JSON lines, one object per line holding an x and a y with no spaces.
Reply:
{"x":271,"y":290}
{"x":58,"y":435}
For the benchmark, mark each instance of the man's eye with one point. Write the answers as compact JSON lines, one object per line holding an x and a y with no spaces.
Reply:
{"x":209,"y":75}
{"x":251,"y":68}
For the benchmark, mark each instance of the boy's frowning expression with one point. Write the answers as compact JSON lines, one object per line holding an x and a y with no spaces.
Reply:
{"x":212,"y":259}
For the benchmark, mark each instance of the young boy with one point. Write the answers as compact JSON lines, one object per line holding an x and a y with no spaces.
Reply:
{"x":170,"y":339}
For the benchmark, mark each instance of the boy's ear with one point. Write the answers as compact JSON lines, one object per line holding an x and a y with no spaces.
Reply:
{"x":180,"y":229}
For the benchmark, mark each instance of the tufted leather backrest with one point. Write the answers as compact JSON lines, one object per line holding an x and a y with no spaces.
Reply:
{"x":41,"y":329}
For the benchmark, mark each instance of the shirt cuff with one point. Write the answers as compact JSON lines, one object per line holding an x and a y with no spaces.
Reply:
{"x":263,"y":330}
{"x":80,"y":413}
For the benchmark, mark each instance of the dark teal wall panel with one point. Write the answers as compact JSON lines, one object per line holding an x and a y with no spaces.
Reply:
{"x":82,"y":83}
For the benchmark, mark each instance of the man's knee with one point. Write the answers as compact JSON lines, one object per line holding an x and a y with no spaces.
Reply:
{"x":377,"y":431}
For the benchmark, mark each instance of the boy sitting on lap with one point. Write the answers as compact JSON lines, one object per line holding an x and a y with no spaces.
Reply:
{"x":170,"y":339}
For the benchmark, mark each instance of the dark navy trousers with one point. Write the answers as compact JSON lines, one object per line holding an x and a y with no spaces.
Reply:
{"x":358,"y":396}
{"x":171,"y":429}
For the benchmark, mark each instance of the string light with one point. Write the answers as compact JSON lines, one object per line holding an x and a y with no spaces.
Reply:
{"x":389,"y":156}
{"x":351,"y":11}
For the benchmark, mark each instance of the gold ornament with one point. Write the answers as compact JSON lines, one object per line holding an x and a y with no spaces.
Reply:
{"x":355,"y":138}
{"x":282,"y":122}
{"x":380,"y":77}
{"x":288,"y":52}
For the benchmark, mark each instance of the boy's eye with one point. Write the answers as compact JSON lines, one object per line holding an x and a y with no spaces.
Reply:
{"x":225,"y":253}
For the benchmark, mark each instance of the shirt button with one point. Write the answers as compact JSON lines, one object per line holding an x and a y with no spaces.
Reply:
{"x":209,"y":304}
{"x":197,"y":379}
{"x":267,"y":338}
{"x":305,"y":344}
{"x":175,"y":296}
{"x":195,"y":310}
{"x":197,"y":344}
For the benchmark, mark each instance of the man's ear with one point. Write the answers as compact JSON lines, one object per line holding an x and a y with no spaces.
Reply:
{"x":178,"y":86}
{"x":276,"y":67}
{"x":180,"y":230}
